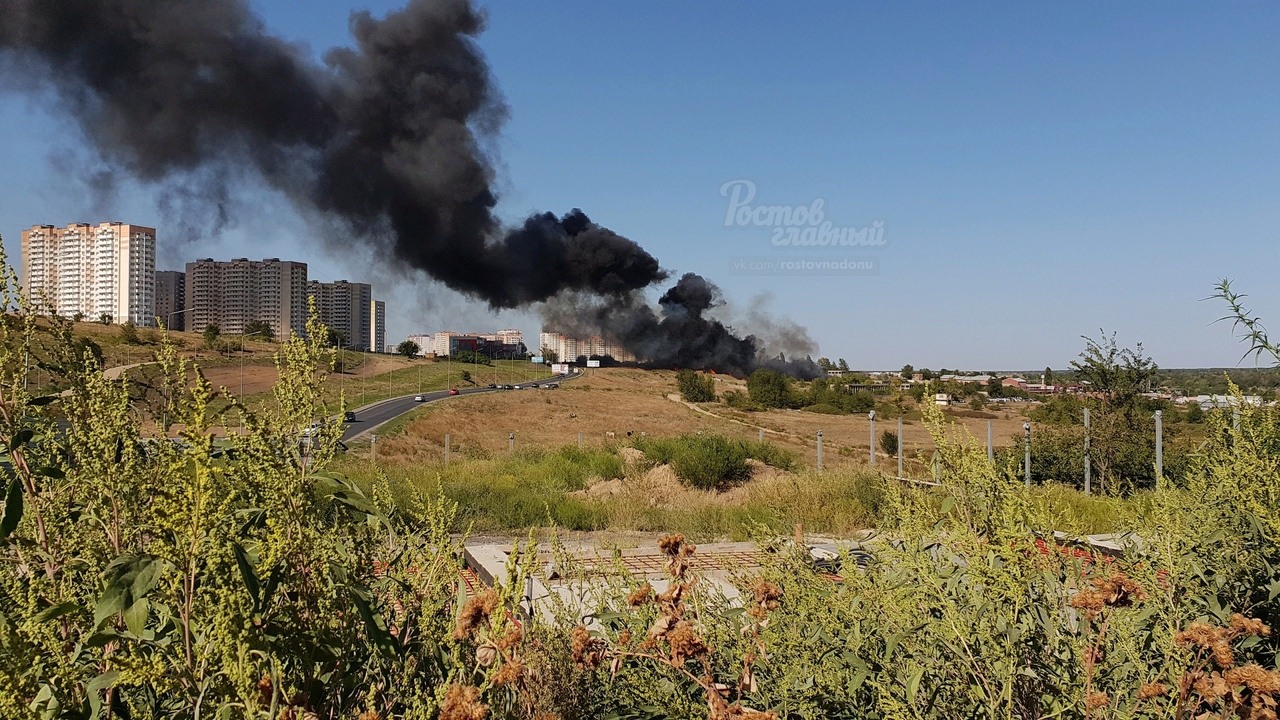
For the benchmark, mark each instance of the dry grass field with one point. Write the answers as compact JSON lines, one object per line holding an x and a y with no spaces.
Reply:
{"x":610,"y":403}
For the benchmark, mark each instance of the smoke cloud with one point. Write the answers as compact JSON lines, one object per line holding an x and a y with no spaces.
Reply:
{"x":387,"y":138}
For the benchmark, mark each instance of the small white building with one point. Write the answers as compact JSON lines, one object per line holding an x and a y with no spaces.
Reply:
{"x":942,"y":399}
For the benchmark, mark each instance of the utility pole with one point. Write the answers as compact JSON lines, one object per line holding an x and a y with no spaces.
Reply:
{"x":1026,"y":427}
{"x":872,"y":417}
{"x":1088,"y":461}
{"x":1159,"y":443}
{"x":991,"y":453}
{"x":899,"y":446}
{"x":819,"y":451}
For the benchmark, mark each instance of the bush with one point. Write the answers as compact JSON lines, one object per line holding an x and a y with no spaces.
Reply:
{"x":739,"y":400}
{"x":695,"y":387}
{"x":129,"y":334}
{"x":889,"y":442}
{"x":707,"y":462}
{"x":771,"y":389}
{"x":713,"y":462}
{"x":824,"y":409}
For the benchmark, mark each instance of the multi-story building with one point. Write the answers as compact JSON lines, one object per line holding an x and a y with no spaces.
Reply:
{"x":171,"y":298}
{"x":569,"y":349}
{"x":377,"y":326}
{"x":232,"y":294}
{"x":96,"y":272}
{"x":344,"y":307}
{"x":426,"y":344}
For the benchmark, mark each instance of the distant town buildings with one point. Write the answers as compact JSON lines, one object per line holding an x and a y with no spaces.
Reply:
{"x":232,"y":294}
{"x":96,"y":272}
{"x":570,"y":349}
{"x":502,"y":344}
{"x":377,"y":326}
{"x":171,"y":298}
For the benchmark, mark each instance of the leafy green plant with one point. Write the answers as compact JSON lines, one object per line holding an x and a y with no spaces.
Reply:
{"x":695,"y":387}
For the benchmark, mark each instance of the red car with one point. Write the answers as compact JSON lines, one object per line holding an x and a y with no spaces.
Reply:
{"x":453,"y":391}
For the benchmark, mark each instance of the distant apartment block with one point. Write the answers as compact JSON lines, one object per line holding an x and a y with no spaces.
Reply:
{"x":344,"y":307}
{"x":93,"y":271}
{"x":424,"y":342}
{"x":171,"y":298}
{"x":377,"y":326}
{"x":570,"y":349}
{"x":231,"y":294}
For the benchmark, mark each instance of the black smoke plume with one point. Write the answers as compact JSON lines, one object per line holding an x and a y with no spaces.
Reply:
{"x":388,"y":138}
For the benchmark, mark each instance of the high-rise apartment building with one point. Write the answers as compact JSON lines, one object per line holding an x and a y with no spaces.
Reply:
{"x":569,"y":349}
{"x":232,"y":294}
{"x":377,"y":326}
{"x":171,"y":298}
{"x":344,"y":307}
{"x":104,"y":271}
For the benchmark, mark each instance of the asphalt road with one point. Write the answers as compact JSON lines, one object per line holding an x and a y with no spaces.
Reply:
{"x":370,"y":417}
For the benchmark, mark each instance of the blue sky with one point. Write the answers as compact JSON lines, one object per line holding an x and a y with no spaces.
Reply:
{"x":1042,"y":170}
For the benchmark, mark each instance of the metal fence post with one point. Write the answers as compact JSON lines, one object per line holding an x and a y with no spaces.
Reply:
{"x":899,"y":447}
{"x":1026,"y":427}
{"x":579,"y":439}
{"x":1159,"y":443}
{"x":448,"y":446}
{"x":761,"y":439}
{"x":373,"y":446}
{"x":819,"y":451}
{"x":872,"y":417}
{"x":1088,"y":461}
{"x":511,"y":442}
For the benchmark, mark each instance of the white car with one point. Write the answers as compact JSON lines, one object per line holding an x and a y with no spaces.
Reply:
{"x":419,"y":398}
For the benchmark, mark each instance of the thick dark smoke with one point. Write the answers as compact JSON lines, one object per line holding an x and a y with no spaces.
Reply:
{"x":679,"y":334}
{"x":386,"y":138}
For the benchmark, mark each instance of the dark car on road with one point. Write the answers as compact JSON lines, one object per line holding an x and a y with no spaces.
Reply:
{"x":349,"y":416}
{"x":492,"y":386}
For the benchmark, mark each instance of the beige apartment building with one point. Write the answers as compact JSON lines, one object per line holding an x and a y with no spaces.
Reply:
{"x":231,"y":294}
{"x":96,"y":272}
{"x":569,"y":349}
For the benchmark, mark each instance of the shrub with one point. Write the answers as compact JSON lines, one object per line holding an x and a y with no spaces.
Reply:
{"x":739,"y":400}
{"x":824,"y":409}
{"x":707,"y":462}
{"x":129,"y":334}
{"x":889,"y":442}
{"x":771,"y":389}
{"x":695,"y":387}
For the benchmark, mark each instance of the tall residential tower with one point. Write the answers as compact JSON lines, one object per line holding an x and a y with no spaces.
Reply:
{"x":96,"y":272}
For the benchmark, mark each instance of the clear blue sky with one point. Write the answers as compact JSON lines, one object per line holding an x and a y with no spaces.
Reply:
{"x":1042,"y":170}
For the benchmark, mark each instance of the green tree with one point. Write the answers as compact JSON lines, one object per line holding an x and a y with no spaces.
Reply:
{"x":466,"y":376}
{"x":889,"y":442}
{"x":129,"y":333}
{"x":844,"y":365}
{"x":211,"y":334}
{"x":1048,"y":376}
{"x":695,"y":387}
{"x":260,"y":329}
{"x":906,"y":372}
{"x":550,"y":356}
{"x":408,"y":348}
{"x":770,"y":388}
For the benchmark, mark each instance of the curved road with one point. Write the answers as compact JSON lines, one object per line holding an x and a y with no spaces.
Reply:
{"x":371,"y":417}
